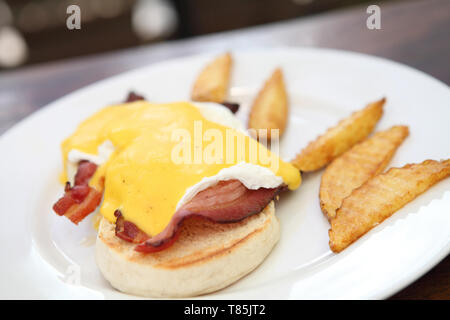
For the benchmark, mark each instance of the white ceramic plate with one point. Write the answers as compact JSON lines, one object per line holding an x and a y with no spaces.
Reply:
{"x":45,"y":256}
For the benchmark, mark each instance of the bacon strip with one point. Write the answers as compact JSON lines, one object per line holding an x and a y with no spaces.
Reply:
{"x":128,"y":231}
{"x":79,"y":211}
{"x":133,"y":96}
{"x":234,"y":107}
{"x":84,"y":173}
{"x":228,"y":201}
{"x":80,"y":200}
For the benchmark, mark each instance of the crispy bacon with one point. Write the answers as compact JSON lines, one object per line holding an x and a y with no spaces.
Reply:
{"x":128,"y":231}
{"x":144,"y":248}
{"x":133,"y":96}
{"x":80,"y":200}
{"x":84,"y":173}
{"x":234,"y":107}
{"x":79,"y":211}
{"x":228,"y":201}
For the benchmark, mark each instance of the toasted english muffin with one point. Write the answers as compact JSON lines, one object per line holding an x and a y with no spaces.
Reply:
{"x":206,"y":257}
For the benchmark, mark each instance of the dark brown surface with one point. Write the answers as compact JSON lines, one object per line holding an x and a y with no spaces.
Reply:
{"x":415,"y":33}
{"x":234,"y":14}
{"x":43,"y":23}
{"x":434,"y":285}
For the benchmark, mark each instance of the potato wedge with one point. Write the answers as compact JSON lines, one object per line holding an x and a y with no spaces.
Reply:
{"x":270,"y":108}
{"x":212,"y":83}
{"x":380,"y":197}
{"x":363,"y":161}
{"x":340,"y":138}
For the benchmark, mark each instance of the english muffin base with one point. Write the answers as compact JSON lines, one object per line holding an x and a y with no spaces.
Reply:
{"x":207,"y":256}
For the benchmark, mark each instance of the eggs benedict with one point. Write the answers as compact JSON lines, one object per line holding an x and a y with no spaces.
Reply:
{"x":182,"y":191}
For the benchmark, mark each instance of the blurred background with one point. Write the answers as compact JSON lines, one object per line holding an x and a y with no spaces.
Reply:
{"x":34,"y":31}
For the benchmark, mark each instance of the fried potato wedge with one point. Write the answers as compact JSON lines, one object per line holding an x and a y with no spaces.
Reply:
{"x":270,"y":108}
{"x":363,"y":161}
{"x":212,"y":83}
{"x":380,"y":197}
{"x":340,"y":138}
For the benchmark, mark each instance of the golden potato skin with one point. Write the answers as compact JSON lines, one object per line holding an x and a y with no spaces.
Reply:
{"x":380,"y":197}
{"x":363,"y":161}
{"x":270,"y":108}
{"x":212,"y":83}
{"x":340,"y":138}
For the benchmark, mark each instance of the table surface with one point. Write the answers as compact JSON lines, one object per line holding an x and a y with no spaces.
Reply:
{"x":415,"y":33}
